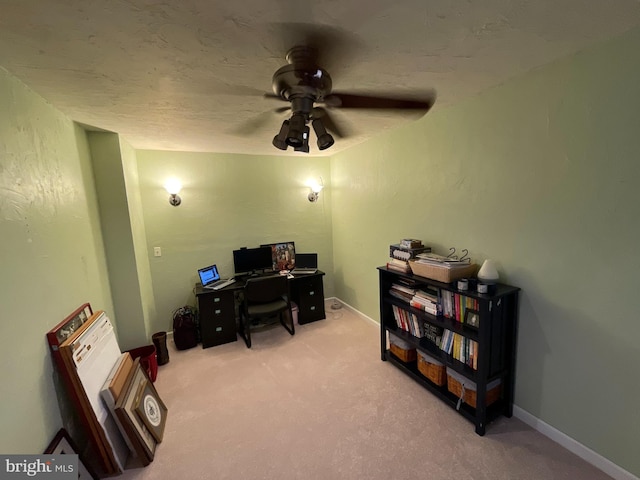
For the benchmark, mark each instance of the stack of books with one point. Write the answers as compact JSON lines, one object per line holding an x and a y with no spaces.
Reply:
{"x":401,"y":253}
{"x":403,"y":292}
{"x":398,"y":265}
{"x":427,"y":300}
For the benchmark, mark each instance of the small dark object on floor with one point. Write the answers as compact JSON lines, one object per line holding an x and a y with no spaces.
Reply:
{"x":162,"y":352}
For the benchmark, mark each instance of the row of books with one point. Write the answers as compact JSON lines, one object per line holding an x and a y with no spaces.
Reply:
{"x":455,"y":306}
{"x":410,"y":323}
{"x":461,"y":348}
{"x":449,"y":304}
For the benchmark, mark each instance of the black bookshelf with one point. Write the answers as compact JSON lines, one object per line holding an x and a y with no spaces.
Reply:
{"x":495,"y":337}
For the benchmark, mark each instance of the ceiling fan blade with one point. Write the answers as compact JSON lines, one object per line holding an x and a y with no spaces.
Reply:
{"x":330,"y":123}
{"x":334,"y":47}
{"x":346,"y":100}
{"x":249,"y":127}
{"x":272,"y":96}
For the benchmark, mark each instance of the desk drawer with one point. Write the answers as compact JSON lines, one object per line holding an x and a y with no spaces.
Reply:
{"x":310,"y":300}
{"x":217,"y":318}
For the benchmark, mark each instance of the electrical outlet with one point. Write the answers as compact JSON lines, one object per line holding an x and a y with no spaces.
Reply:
{"x":157,"y":252}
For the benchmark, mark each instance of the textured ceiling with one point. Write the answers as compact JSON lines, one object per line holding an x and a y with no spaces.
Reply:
{"x":190,"y":74}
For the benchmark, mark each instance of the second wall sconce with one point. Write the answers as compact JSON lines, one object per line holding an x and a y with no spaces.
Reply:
{"x":173,"y":187}
{"x":316,"y":188}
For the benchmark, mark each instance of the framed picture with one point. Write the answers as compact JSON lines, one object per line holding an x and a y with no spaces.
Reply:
{"x":139,"y":435}
{"x":63,"y":445}
{"x":151,"y":410}
{"x":58,"y":334}
{"x":283,"y":255}
{"x":472,"y":318}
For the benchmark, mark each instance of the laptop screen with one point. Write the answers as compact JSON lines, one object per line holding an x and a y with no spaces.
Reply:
{"x":208,"y":275}
{"x":306,"y":260}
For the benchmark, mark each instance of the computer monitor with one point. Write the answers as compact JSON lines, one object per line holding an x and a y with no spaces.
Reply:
{"x":283,"y":255}
{"x":252,"y":260}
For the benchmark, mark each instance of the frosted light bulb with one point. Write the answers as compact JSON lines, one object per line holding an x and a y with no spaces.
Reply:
{"x":173,"y":186}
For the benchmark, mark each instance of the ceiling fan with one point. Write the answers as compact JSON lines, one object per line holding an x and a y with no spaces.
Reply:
{"x":307,"y":86}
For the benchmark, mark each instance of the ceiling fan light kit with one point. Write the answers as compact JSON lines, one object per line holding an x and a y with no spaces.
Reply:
{"x":303,"y":83}
{"x":325,"y":140}
{"x":280,"y":140}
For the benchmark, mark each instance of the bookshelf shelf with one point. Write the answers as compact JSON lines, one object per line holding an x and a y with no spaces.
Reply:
{"x":495,"y":339}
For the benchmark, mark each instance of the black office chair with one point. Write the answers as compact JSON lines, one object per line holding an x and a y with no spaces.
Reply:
{"x":265,"y":297}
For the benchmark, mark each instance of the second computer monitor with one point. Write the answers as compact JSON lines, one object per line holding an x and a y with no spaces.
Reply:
{"x":252,"y":260}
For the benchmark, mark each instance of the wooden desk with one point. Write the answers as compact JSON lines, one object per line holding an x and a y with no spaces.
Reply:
{"x":218,"y":309}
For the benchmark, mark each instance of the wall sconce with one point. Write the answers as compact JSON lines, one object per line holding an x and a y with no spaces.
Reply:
{"x":173,"y":187}
{"x":316,"y":188}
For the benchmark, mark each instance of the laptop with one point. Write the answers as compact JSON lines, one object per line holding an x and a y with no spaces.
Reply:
{"x":306,"y":263}
{"x":210,"y":278}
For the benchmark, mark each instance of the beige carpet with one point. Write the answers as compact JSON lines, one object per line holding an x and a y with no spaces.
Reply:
{"x":322,"y":405}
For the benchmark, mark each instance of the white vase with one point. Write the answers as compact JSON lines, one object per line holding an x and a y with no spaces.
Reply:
{"x":488,"y":273}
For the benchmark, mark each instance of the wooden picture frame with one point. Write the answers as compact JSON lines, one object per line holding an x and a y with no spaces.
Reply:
{"x":62,"y":444}
{"x":472,"y":318}
{"x":151,"y":409}
{"x":138,"y":433}
{"x":58,"y":334}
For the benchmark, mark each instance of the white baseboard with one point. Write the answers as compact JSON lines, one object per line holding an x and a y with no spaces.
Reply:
{"x":588,"y":455}
{"x":595,"y":459}
{"x":350,"y":308}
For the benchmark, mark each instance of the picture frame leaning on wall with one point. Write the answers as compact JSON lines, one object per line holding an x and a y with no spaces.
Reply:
{"x":62,"y":444}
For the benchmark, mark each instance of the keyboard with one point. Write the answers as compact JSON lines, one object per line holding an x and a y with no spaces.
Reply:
{"x":223,"y":284}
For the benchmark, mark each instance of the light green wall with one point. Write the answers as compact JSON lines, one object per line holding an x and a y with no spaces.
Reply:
{"x":540,"y":174}
{"x":228,"y":201}
{"x":51,"y":259}
{"x":139,"y":237}
{"x":116,"y":222}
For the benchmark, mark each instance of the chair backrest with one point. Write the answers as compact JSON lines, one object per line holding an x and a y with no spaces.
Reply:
{"x":266,"y":289}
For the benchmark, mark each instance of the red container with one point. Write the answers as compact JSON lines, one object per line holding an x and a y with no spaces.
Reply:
{"x":148,"y":360}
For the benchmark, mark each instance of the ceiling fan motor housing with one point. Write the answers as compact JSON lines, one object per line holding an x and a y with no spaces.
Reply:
{"x":299,"y":80}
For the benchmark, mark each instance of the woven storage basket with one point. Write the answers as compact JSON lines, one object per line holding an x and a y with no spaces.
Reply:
{"x":442,"y":273}
{"x":432,"y":369}
{"x":401,"y":349}
{"x":454,"y":385}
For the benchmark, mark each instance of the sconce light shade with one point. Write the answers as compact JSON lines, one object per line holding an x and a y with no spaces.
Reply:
{"x":488,"y":273}
{"x":173,"y":187}
{"x":314,"y":194}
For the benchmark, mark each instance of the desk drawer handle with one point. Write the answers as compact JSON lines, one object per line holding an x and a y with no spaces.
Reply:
{"x":312,"y":308}
{"x":218,"y":329}
{"x":311,"y":292}
{"x":217,"y":312}
{"x":217,"y":299}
